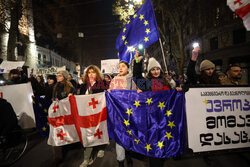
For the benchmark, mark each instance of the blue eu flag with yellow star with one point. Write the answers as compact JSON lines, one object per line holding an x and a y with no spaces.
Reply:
{"x":149,"y":123}
{"x":41,"y":107}
{"x":140,"y":29}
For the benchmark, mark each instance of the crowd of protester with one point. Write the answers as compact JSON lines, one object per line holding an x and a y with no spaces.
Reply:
{"x":63,"y":84}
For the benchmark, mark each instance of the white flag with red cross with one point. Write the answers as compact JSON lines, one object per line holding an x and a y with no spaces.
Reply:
{"x":79,"y":118}
{"x":242,"y":9}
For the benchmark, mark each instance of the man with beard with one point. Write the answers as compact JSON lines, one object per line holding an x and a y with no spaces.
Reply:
{"x":207,"y":76}
{"x":234,"y":75}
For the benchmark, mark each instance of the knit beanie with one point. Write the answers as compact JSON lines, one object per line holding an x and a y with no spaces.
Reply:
{"x":64,"y":74}
{"x":206,"y":64}
{"x":153,"y":63}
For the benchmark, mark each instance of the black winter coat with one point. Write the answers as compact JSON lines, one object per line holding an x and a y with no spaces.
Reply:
{"x":98,"y":87}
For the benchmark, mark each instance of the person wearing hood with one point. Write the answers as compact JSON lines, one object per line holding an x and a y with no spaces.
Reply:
{"x":14,"y":77}
{"x":49,"y":86}
{"x":207,"y":76}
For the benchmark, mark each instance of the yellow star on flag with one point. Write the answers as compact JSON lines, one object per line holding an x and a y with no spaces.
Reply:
{"x":168,"y":135}
{"x":128,"y":22}
{"x":145,"y":23}
{"x":160,"y":144}
{"x":205,"y":101}
{"x":44,"y":128}
{"x":146,"y":39}
{"x":129,"y":132}
{"x":33,"y":102}
{"x":168,"y":113}
{"x":171,"y":124}
{"x":148,"y":30}
{"x":161,"y":105}
{"x":137,"y":140}
{"x":137,"y":103}
{"x":135,"y":15}
{"x":124,"y":29}
{"x":45,"y":110}
{"x":48,"y":123}
{"x":141,"y":17}
{"x":148,"y":147}
{"x":126,"y":122}
{"x":149,"y":101}
{"x":40,"y":105}
{"x":129,"y":111}
{"x":123,"y":37}
{"x":125,"y":43}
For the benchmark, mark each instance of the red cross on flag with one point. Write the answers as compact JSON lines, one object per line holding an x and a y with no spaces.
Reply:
{"x":242,"y":9}
{"x":79,"y":118}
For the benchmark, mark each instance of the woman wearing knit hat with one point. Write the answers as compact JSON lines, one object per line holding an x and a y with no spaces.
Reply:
{"x":61,"y":90}
{"x":156,"y":77}
{"x":63,"y":87}
{"x":155,"y":81}
{"x":207,"y":76}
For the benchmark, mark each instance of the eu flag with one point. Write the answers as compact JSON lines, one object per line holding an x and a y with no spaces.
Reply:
{"x":150,"y":123}
{"x":41,"y":107}
{"x":140,"y":29}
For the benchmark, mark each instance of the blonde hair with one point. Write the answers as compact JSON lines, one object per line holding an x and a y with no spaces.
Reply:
{"x":99,"y":75}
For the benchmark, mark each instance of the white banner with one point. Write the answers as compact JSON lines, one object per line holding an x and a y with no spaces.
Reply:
{"x":20,"y":97}
{"x":110,"y":65}
{"x":44,"y":71}
{"x":6,"y":66}
{"x":218,"y":118}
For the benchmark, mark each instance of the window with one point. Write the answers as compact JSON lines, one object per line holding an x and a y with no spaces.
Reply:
{"x":239,"y":36}
{"x":214,"y":43}
{"x":39,"y":58}
{"x":44,"y":59}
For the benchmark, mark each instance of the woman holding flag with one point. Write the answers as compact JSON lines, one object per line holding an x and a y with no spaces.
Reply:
{"x":123,"y":80}
{"x":155,"y":81}
{"x":92,"y":83}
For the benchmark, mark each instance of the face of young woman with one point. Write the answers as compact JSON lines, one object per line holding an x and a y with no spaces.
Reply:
{"x":123,"y":69}
{"x":59,"y":77}
{"x":50,"y":81}
{"x":209,"y":72}
{"x":92,"y":75}
{"x":155,"y":72}
{"x":38,"y":79}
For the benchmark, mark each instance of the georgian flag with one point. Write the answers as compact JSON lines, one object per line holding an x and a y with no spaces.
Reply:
{"x":242,"y":9}
{"x":79,"y":118}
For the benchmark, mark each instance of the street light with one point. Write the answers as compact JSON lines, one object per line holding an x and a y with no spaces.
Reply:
{"x":195,"y":44}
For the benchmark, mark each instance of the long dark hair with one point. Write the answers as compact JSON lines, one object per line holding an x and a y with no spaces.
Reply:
{"x":210,"y":80}
{"x":162,"y":76}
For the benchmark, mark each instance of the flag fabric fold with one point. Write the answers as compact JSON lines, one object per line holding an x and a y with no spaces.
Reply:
{"x":242,"y":9}
{"x":41,"y":107}
{"x":140,"y":29}
{"x":79,"y":118}
{"x":150,"y":123}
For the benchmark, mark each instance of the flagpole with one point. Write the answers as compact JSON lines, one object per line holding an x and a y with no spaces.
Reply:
{"x":163,"y":55}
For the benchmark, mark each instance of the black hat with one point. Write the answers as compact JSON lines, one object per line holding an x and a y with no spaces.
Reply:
{"x":53,"y":77}
{"x":15,"y":71}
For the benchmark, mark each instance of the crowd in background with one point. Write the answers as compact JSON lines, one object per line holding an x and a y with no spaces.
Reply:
{"x":63,"y":84}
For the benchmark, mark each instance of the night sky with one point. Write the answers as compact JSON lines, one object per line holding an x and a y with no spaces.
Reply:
{"x":92,"y":17}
